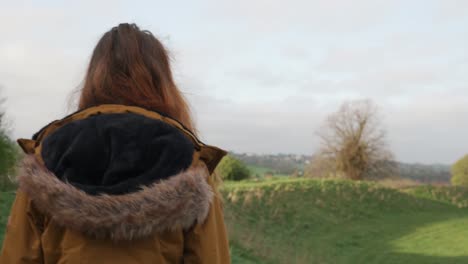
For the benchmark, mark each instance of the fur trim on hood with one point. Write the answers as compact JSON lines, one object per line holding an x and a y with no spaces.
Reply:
{"x":176,"y":202}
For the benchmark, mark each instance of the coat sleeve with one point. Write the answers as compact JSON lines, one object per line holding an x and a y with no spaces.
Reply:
{"x":22,"y":243}
{"x":207,"y":242}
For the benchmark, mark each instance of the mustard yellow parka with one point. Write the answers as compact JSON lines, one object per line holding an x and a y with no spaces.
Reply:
{"x":116,"y":184}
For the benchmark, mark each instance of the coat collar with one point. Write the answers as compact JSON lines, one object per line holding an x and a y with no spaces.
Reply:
{"x":175,"y":203}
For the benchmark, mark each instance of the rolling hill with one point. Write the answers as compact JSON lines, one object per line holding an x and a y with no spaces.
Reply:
{"x":339,"y":221}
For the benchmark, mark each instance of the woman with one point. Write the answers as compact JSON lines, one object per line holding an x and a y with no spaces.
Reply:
{"x":124,"y":179}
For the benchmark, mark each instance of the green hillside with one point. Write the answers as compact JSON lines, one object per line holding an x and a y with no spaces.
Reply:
{"x":330,"y":221}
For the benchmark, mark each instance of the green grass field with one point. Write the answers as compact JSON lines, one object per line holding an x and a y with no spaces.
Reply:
{"x":339,"y":221}
{"x":330,"y":221}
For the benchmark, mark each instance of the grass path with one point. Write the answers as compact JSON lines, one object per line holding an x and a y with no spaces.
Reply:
{"x":441,"y":239}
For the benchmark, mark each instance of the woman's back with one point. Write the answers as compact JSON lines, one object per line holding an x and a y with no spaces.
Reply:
{"x":116,"y":182}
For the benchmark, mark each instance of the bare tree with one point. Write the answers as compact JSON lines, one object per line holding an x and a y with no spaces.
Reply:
{"x":353,"y":143}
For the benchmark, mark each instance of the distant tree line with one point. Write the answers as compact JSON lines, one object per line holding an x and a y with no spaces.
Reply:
{"x":287,"y":164}
{"x":431,"y":174}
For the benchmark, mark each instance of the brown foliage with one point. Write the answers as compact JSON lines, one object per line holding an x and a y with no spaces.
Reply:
{"x":353,"y":144}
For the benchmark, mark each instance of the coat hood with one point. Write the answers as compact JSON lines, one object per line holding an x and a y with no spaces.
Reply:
{"x":118,"y":172}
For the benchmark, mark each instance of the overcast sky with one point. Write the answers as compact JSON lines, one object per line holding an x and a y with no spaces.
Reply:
{"x":261,"y":75}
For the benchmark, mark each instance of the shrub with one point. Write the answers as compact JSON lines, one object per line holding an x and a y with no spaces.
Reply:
{"x":8,"y":156}
{"x":460,"y":172}
{"x":232,"y":169}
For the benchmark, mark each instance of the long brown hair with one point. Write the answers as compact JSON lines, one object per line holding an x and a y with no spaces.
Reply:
{"x":130,"y":66}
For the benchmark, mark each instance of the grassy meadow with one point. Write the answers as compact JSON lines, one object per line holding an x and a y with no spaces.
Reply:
{"x":338,"y":221}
